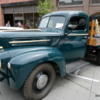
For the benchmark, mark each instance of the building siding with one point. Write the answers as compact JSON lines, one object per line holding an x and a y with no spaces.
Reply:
{"x":86,"y":7}
{"x":12,"y":1}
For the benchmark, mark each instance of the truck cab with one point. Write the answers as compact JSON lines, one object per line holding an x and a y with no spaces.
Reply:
{"x":73,"y":36}
{"x":33,"y":58}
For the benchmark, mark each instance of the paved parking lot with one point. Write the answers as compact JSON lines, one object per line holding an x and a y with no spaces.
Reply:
{"x":84,"y":86}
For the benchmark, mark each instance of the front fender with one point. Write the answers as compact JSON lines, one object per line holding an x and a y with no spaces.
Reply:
{"x":22,"y":65}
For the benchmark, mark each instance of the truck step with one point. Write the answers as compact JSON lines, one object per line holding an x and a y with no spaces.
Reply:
{"x":73,"y":66}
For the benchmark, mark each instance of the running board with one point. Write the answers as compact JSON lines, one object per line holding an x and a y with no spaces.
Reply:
{"x":73,"y":66}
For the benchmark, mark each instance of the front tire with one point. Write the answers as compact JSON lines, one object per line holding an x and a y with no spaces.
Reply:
{"x":40,"y":82}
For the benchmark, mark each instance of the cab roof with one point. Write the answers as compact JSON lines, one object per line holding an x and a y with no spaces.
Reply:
{"x":66,"y":13}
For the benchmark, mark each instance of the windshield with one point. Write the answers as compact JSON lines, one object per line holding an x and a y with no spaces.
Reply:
{"x":54,"y":22}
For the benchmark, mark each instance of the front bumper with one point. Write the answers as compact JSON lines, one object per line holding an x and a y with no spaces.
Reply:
{"x":7,"y":76}
{"x":5,"y":72}
{"x":3,"y":75}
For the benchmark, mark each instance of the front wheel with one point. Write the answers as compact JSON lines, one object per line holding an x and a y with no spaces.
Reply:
{"x":40,"y":82}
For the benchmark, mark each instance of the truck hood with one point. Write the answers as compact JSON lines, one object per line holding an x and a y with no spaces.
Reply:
{"x":21,"y":38}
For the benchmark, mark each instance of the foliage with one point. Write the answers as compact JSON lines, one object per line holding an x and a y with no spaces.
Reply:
{"x":45,"y":7}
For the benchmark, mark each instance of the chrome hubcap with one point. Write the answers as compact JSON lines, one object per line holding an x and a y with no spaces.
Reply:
{"x":42,"y":81}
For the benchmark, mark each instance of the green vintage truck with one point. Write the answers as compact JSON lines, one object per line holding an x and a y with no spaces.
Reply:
{"x":31,"y":59}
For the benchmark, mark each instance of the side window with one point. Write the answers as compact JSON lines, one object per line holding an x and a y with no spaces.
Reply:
{"x":74,"y":23}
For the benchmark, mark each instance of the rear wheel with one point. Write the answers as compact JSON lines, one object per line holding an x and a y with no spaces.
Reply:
{"x":98,"y":58}
{"x":40,"y":82}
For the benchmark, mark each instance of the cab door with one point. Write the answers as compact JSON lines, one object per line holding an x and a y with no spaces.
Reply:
{"x":75,"y":40}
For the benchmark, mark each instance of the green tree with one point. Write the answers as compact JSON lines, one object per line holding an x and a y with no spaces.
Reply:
{"x":45,"y":7}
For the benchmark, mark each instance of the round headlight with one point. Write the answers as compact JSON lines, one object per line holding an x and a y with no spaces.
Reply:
{"x":1,"y":49}
{"x":9,"y":65}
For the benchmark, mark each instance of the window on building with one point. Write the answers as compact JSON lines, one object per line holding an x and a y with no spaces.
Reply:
{"x":95,"y":1}
{"x":18,"y":18}
{"x":28,"y":20}
{"x":21,"y":16}
{"x":36,"y":19}
{"x":70,"y":2}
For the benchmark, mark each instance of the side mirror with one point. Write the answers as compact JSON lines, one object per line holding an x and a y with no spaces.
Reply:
{"x":72,"y":27}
